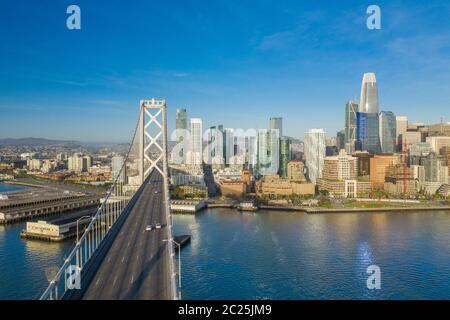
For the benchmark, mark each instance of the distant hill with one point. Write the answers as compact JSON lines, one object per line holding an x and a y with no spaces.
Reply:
{"x":35,"y":142}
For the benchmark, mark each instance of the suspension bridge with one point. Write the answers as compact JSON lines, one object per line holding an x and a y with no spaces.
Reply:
{"x":117,"y":257}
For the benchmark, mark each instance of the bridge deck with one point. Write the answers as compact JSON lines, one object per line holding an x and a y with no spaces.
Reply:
{"x":137,"y":264}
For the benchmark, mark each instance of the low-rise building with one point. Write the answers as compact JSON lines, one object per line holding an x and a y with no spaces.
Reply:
{"x":275,"y":185}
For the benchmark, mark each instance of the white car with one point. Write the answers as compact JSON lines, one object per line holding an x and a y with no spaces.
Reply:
{"x":149,"y":228}
{"x":158,"y":225}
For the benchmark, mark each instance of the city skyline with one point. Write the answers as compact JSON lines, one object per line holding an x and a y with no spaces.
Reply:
{"x":305,"y":57}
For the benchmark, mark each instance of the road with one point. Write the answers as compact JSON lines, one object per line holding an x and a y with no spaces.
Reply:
{"x":137,"y":265}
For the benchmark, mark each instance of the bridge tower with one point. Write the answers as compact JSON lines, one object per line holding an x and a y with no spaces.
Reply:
{"x":152,"y":138}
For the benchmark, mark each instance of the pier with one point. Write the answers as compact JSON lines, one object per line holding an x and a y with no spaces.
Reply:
{"x":30,"y":204}
{"x":183,"y":206}
{"x":60,"y":228}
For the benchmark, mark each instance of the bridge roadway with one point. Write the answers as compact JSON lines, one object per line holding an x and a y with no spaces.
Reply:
{"x":137,"y":265}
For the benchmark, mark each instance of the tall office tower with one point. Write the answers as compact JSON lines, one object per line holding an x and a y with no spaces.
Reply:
{"x":116,"y":165}
{"x":314,"y":150}
{"x":367,"y":118}
{"x":180,"y":124}
{"x":368,"y":102}
{"x":196,"y":152}
{"x":402,"y":127}
{"x":340,"y":140}
{"x":285,"y":155}
{"x":217,"y":145}
{"x":388,"y":129}
{"x":277,"y":124}
{"x":253,"y":153}
{"x":180,"y":119}
{"x":367,"y":133}
{"x":229,"y":146}
{"x":267,"y":152}
{"x":351,"y":108}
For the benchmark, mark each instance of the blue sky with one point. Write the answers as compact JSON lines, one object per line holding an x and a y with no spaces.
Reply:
{"x":227,"y":61}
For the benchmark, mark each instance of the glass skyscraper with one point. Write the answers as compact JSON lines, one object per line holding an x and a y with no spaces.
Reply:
{"x":277,"y":124}
{"x":314,"y":149}
{"x":285,"y":155}
{"x":367,"y":119}
{"x":351,"y":108}
{"x":388,"y":131}
{"x":368,"y":102}
{"x":367,"y":133}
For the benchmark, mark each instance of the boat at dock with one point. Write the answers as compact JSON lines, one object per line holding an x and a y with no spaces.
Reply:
{"x":247,"y":206}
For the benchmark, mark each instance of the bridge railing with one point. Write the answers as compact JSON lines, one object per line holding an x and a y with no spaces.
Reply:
{"x":126,"y":182}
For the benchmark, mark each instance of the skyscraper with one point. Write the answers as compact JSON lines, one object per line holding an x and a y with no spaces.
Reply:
{"x":367,"y":119}
{"x":267,"y":152}
{"x":196,"y":141}
{"x":180,"y":124}
{"x":351,"y":108}
{"x":314,"y":150}
{"x":368,"y":102}
{"x":340,"y":140}
{"x":388,"y":129}
{"x":277,"y":124}
{"x":285,"y":155}
{"x":180,"y":119}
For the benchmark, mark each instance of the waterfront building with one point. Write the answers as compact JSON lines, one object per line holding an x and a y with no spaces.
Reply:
{"x":339,"y":176}
{"x":436,"y":169}
{"x":231,"y":182}
{"x":275,"y":186}
{"x":341,"y":167}
{"x":388,"y":130}
{"x":295,"y":171}
{"x":397,"y":176}
{"x":432,"y":173}
{"x":351,"y":108}
{"x":378,"y":166}
{"x":314,"y":152}
{"x":285,"y":155}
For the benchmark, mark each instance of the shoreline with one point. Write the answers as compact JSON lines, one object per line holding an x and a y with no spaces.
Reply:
{"x":336,"y":210}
